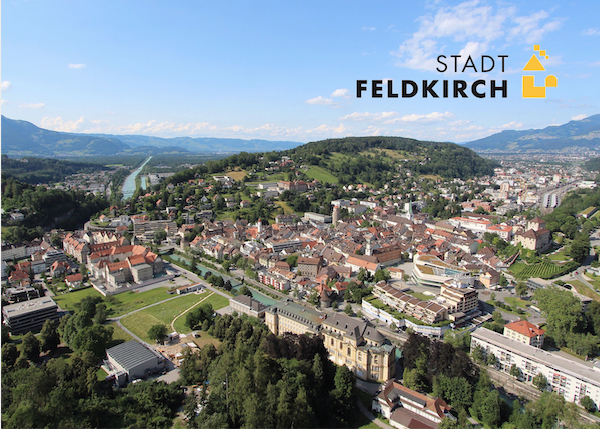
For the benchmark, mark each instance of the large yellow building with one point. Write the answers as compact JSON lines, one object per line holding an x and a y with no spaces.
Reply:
{"x":358,"y":345}
{"x":286,"y":316}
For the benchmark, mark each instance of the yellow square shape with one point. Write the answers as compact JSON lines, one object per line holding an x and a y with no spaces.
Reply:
{"x":542,"y":53}
{"x":546,"y":56}
{"x":536,"y":47}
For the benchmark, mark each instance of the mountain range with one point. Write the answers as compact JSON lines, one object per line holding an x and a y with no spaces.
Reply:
{"x":22,"y":138}
{"x":584,"y":133}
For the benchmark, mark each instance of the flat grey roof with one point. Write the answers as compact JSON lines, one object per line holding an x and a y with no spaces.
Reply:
{"x":131,"y":354}
{"x":25,"y":307}
{"x":571,"y":367}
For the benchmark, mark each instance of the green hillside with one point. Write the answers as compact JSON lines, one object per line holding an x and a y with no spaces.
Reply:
{"x":375,"y":160}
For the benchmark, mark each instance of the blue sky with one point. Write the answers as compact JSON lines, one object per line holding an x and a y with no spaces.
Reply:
{"x":287,"y":70}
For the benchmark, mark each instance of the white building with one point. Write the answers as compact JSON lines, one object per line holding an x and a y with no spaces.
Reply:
{"x":474,"y":225}
{"x":571,"y":378}
{"x":429,"y":270}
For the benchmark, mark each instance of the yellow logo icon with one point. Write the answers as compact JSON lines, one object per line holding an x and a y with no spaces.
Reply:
{"x":529,"y":88}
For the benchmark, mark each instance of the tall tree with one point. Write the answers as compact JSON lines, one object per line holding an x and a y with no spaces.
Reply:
{"x":30,"y":347}
{"x":49,"y":337}
{"x":157,"y":332}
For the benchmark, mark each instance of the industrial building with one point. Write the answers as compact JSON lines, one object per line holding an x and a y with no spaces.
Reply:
{"x":133,"y":360}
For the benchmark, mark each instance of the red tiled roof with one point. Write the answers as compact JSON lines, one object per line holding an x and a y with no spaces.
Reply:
{"x":136,"y":260}
{"x":526,"y":328}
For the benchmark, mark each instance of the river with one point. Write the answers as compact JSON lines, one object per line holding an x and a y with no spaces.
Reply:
{"x":129,"y":185}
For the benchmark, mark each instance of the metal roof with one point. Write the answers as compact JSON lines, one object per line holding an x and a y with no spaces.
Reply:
{"x":131,"y":354}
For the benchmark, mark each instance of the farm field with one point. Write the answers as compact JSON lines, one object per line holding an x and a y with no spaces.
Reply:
{"x":522,"y":270}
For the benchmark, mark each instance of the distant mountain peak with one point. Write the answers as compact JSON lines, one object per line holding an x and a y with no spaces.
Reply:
{"x":23,"y":138}
{"x":583,"y":133}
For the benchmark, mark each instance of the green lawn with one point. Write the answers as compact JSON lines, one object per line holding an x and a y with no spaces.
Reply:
{"x":101,"y":374}
{"x":67,"y":301}
{"x":140,"y":322}
{"x":584,"y":290}
{"x":286,"y":208}
{"x":205,"y":339}
{"x":559,"y":256}
{"x":362,"y":422}
{"x":117,"y":305}
{"x":126,"y":302}
{"x":217,"y":302}
{"x":119,"y":335}
{"x":167,"y":311}
{"x":320,"y":174}
{"x":420,"y":296}
{"x":516,"y":302}
{"x":374,"y":301}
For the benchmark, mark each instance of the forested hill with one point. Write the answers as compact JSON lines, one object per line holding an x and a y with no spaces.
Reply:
{"x":44,"y":170}
{"x":366,"y":158}
{"x":592,"y":164}
{"x":24,"y":138}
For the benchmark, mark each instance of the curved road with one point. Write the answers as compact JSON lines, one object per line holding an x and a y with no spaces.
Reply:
{"x":191,"y":276}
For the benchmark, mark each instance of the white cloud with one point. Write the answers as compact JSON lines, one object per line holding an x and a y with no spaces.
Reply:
{"x":32,"y":105}
{"x":367,"y":116}
{"x":579,"y":117}
{"x":530,"y":29}
{"x":4,"y":102}
{"x":153,"y":127}
{"x":320,"y":100}
{"x":76,"y":66}
{"x":58,"y":124}
{"x":430,"y":117}
{"x":5,"y":86}
{"x":324,"y":129}
{"x":512,"y":125}
{"x":342,"y":92}
{"x":473,"y":26}
{"x":591,"y":32}
{"x":369,"y":28}
{"x":459,"y":122}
